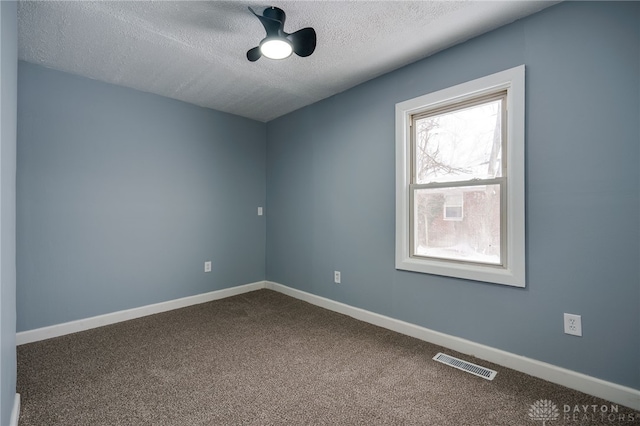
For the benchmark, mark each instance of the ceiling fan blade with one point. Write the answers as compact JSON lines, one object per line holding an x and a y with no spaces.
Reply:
{"x":304,"y":41}
{"x":272,"y":26}
{"x":254,"y":54}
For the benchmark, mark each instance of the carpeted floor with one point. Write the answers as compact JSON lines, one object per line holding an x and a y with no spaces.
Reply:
{"x":263,"y":358}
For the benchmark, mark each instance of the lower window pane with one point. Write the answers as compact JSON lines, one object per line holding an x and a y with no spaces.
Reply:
{"x":461,"y":223}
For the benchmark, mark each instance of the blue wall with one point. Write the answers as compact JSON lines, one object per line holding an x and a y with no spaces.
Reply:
{"x":330,"y":185}
{"x":8,"y":78}
{"x":123,"y":195}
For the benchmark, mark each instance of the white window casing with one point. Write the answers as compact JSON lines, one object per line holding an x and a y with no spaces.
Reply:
{"x":512,"y":269}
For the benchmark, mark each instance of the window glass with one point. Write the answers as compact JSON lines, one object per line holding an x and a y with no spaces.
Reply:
{"x":474,"y":238}
{"x":462,"y":144}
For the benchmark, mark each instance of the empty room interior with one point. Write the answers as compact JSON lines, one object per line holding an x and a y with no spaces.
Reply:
{"x":292,"y":241}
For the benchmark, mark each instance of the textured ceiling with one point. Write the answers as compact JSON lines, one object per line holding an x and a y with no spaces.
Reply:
{"x":195,"y":51}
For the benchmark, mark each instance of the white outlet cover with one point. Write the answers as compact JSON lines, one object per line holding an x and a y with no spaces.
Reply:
{"x":573,"y":324}
{"x":336,"y":277}
{"x":207,"y":266}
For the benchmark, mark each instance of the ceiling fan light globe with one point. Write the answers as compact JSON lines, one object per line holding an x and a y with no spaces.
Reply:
{"x":276,"y":48}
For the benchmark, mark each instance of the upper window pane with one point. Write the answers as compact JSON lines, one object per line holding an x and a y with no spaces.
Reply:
{"x":460,"y":144}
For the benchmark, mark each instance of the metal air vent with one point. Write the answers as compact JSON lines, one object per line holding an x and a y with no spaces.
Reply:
{"x":465,"y":366}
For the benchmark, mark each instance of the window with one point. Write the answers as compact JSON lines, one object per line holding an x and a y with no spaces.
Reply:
{"x":460,"y":181}
{"x":453,"y":204}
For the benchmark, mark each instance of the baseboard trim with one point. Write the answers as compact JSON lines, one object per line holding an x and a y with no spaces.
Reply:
{"x":57,"y":330}
{"x":15,"y":413}
{"x":613,"y":392}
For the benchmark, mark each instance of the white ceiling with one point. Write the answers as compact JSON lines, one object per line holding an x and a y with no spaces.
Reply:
{"x":195,"y":51}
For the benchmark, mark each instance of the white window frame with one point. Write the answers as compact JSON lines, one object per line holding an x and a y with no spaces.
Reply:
{"x":512,"y":271}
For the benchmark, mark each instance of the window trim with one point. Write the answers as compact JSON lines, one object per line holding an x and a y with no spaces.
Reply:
{"x":513,"y":271}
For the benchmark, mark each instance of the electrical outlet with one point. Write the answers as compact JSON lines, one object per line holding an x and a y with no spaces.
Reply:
{"x":259,"y":211}
{"x":336,"y":277}
{"x":573,"y":324}
{"x":207,"y":266}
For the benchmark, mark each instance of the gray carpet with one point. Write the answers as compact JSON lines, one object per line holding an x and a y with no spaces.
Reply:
{"x":263,"y":358}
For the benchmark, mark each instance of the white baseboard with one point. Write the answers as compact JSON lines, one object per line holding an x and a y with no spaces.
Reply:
{"x":15,"y":413}
{"x":613,"y":392}
{"x":57,"y":330}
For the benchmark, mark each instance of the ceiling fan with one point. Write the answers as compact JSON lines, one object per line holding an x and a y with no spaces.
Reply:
{"x":278,"y":44}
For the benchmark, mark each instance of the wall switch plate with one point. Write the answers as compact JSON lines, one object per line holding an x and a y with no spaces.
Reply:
{"x":336,"y":277}
{"x":259,"y":211}
{"x":573,"y":324}
{"x":207,"y":266}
